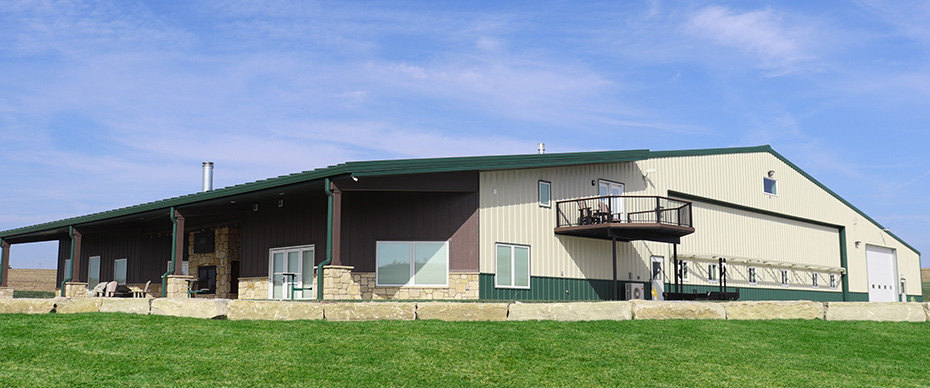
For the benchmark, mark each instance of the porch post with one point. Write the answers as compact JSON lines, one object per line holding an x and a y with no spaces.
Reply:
{"x":337,"y":224}
{"x":613,"y":245}
{"x":76,"y":256}
{"x":4,"y":263}
{"x":178,"y":245}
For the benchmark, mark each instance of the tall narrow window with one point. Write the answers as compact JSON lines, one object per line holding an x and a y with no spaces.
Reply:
{"x":753,"y":277}
{"x":119,"y":271}
{"x":513,"y":266}
{"x":832,"y":280}
{"x":712,"y":274}
{"x":814,"y":280}
{"x":685,"y":271}
{"x":93,"y":272}
{"x":784,"y":277}
{"x":420,"y":263}
{"x":770,"y":186}
{"x":68,"y":269}
{"x":545,"y":194}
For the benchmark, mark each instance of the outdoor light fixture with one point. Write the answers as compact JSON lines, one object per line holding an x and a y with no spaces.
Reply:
{"x":771,"y":173}
{"x":354,"y":178}
{"x":280,"y":203}
{"x":858,"y":243}
{"x":255,"y":207}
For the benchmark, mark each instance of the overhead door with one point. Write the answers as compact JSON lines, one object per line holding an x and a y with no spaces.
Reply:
{"x":882,"y":274}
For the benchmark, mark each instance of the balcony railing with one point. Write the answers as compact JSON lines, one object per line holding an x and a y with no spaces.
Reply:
{"x":623,"y":209}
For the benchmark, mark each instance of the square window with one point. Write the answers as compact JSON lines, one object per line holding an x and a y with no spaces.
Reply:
{"x":712,"y":275}
{"x":421,"y":263}
{"x":513,"y":266}
{"x":206,"y":279}
{"x":770,"y":186}
{"x":784,"y":277}
{"x":753,"y":277}
{"x":545,"y":194}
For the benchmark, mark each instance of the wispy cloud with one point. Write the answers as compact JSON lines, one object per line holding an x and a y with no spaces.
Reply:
{"x":761,"y":35}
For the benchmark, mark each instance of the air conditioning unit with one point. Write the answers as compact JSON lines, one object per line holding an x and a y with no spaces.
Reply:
{"x":635,"y":291}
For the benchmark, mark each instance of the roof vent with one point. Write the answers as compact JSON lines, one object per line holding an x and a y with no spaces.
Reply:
{"x":542,"y":148}
{"x":207,"y":176}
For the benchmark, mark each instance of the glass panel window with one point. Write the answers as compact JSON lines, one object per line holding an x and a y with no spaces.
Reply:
{"x":67,"y":268}
{"x":119,"y":271}
{"x":712,"y":272}
{"x":814,"y":280}
{"x":290,"y":272}
{"x":685,"y":271}
{"x":513,"y":266}
{"x":784,"y":277}
{"x":752,"y":275}
{"x":770,"y":186}
{"x":93,"y":272}
{"x":832,"y":280}
{"x":421,"y":263}
{"x":545,"y":194}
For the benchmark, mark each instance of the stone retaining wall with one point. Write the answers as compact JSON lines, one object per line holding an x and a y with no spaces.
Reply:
{"x":6,"y":293}
{"x":253,"y":288}
{"x":472,"y":311}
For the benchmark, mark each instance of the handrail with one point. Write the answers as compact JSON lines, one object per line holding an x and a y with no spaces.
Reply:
{"x":629,"y":209}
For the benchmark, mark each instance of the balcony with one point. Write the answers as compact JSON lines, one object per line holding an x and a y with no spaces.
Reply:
{"x":625,"y":217}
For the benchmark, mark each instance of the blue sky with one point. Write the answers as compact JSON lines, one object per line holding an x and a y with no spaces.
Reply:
{"x":111,"y":104}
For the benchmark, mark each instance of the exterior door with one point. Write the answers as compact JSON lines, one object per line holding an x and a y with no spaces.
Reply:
{"x":608,"y":188}
{"x":658,"y":277}
{"x":291,"y":272}
{"x":882,"y":277}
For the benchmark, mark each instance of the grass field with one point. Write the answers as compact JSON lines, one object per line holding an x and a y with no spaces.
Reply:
{"x":32,"y":279}
{"x":130,"y":350}
{"x":33,"y":294}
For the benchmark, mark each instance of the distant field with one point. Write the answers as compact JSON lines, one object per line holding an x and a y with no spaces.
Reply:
{"x":32,"y":279}
{"x":123,"y":350}
{"x":925,"y":274}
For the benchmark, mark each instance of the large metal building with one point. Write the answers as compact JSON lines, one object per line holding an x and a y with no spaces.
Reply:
{"x":696,"y":224}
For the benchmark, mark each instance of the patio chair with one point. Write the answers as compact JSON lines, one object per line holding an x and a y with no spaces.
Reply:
{"x":111,"y":289}
{"x":143,"y":292}
{"x":584,"y":213}
{"x":98,"y":290}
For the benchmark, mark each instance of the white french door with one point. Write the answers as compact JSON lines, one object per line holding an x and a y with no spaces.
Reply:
{"x":608,"y":188}
{"x":290,"y":272}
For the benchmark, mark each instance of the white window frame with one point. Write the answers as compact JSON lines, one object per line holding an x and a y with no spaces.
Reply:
{"x":685,"y":271}
{"x":303,"y":294}
{"x":412,"y":281}
{"x":513,"y":275}
{"x":833,"y":281}
{"x":125,"y":266}
{"x":785,"y":278}
{"x":713,"y":273}
{"x":90,"y":267}
{"x":774,"y":186}
{"x":548,"y":186}
{"x":753,"y":275}
{"x":814,"y":281}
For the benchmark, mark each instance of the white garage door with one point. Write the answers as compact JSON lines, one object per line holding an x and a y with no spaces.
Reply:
{"x":882,"y":275}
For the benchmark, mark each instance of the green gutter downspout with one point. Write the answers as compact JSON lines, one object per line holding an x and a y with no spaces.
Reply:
{"x":843,"y":263}
{"x":71,"y":274}
{"x":174,"y":253}
{"x":329,"y":239}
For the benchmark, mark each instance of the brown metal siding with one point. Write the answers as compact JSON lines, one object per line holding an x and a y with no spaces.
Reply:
{"x":301,"y":221}
{"x":369,"y":217}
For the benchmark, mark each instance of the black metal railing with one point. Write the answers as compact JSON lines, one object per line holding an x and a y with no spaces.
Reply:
{"x":634,"y":209}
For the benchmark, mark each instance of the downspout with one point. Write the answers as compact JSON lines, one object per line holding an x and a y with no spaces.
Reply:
{"x":329,"y":239}
{"x":71,"y":257}
{"x":843,"y":263}
{"x":174,"y":253}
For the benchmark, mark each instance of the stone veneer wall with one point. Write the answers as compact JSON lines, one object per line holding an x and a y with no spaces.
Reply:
{"x":225,"y":250}
{"x":339,"y":282}
{"x":253,"y":288}
{"x":6,"y":293}
{"x":75,"y":290}
{"x":178,"y":286}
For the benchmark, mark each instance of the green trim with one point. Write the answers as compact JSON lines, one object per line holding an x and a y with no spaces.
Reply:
{"x":709,"y":151}
{"x":692,"y":197}
{"x":858,"y":297}
{"x":844,"y":260}
{"x":174,"y":252}
{"x":329,"y":239}
{"x":71,"y":257}
{"x":547,"y":288}
{"x":3,"y":254}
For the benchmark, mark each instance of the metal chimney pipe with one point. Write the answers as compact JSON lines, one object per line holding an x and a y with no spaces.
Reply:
{"x":207,"y":176}
{"x":541,"y":148}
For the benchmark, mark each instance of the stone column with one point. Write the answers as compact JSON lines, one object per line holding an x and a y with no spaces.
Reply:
{"x":76,"y":259}
{"x":4,"y":264}
{"x":178,"y":286}
{"x":179,"y":245}
{"x":75,"y":290}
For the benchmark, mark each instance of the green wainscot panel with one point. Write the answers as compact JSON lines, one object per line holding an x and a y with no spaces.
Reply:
{"x":549,"y":288}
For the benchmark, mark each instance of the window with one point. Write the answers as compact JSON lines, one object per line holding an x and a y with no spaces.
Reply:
{"x":684,"y":271}
{"x":119,"y":271}
{"x":290,"y":271}
{"x":401,"y":263}
{"x":712,"y":275}
{"x":770,"y":186}
{"x":814,"y":280}
{"x":784,"y":277}
{"x":832,"y":280}
{"x":545,"y":194}
{"x":206,"y":279}
{"x":753,"y":279}
{"x":513,"y":266}
{"x":93,"y":272}
{"x":68,"y":268}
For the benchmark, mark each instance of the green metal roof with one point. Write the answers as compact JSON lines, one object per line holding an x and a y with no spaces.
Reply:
{"x":419,"y":166}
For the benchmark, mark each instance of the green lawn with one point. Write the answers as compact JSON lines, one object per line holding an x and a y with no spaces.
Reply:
{"x":129,"y":350}
{"x":33,"y":294}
